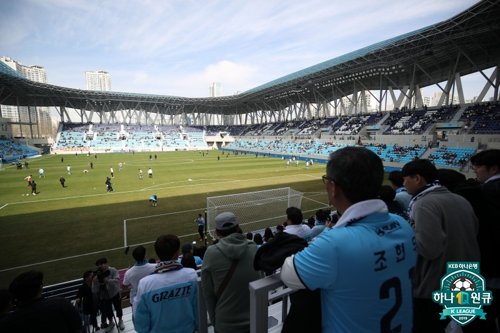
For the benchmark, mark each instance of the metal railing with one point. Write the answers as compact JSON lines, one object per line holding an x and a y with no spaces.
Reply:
{"x":264,"y":292}
{"x":69,"y":290}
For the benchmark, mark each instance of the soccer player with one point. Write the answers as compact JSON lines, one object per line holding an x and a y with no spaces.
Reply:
{"x":153,"y":200}
{"x":33,"y":187}
{"x":109,"y":185}
{"x":29,"y":179}
{"x":362,"y":265}
{"x":150,"y":173}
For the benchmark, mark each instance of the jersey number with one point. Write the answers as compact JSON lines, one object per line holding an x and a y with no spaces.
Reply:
{"x":385,"y":291}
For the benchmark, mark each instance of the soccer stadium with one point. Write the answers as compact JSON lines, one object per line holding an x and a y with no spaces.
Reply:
{"x":255,"y":153}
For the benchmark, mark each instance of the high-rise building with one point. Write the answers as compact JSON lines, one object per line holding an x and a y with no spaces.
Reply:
{"x":39,"y":117}
{"x":437,"y":96}
{"x":9,"y":62}
{"x":215,"y":89}
{"x":98,"y":80}
{"x":34,"y":73}
{"x":9,"y":111}
{"x":364,"y":102}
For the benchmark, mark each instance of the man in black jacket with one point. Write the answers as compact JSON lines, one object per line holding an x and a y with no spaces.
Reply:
{"x":485,"y":200}
{"x":305,"y":305}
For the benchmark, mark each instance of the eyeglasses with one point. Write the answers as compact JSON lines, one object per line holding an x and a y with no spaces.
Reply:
{"x":327,"y":179}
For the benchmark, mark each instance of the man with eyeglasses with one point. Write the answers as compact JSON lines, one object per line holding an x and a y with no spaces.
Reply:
{"x":363,"y":264}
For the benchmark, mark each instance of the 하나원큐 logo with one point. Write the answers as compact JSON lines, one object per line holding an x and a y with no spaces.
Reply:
{"x":463,"y":293}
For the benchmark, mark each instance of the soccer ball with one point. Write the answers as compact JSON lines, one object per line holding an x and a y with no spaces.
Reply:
{"x":463,"y":284}
{"x":190,"y":180}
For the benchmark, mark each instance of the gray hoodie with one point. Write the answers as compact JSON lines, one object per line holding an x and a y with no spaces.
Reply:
{"x":230,"y":313}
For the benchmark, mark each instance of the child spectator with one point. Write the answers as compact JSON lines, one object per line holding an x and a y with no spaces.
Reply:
{"x":87,"y":303}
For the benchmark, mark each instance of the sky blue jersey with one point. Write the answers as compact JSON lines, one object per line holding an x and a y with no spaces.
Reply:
{"x":167,"y":302}
{"x":364,"y":273}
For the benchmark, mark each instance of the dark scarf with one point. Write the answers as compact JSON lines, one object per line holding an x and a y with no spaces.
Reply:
{"x":167,"y":266}
{"x":420,"y":193}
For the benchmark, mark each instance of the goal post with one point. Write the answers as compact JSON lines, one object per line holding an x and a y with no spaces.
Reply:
{"x":254,"y":210}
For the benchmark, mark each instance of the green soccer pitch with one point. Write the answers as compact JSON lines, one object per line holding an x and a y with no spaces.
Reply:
{"x":62,"y":231}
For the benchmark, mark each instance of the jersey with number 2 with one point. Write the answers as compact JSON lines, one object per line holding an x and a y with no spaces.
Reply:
{"x":364,"y":273}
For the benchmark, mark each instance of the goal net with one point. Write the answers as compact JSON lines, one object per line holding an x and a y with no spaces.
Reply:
{"x":254,"y":210}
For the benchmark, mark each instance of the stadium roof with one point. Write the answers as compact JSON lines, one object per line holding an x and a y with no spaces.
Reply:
{"x":464,"y":44}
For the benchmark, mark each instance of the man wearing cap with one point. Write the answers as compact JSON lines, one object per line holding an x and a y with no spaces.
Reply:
{"x":226,"y":271}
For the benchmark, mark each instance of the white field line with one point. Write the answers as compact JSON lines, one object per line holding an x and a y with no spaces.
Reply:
{"x":312,"y":176}
{"x":190,"y":184}
{"x":157,"y":162}
{"x":81,"y":255}
{"x":108,"y":250}
{"x":164,"y":214}
{"x":316,"y":201}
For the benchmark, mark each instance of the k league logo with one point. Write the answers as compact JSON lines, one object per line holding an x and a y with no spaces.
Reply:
{"x":462,"y":293}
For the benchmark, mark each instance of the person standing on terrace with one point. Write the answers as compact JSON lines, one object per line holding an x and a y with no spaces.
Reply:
{"x":363,"y":265}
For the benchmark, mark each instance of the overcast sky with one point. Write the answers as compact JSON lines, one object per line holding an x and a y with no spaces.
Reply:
{"x":178,"y":47}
